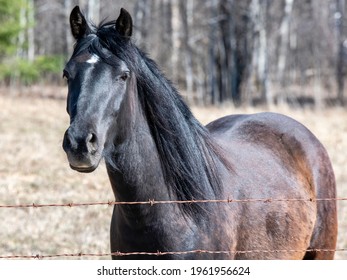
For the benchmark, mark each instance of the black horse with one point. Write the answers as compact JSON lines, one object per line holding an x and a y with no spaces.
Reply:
{"x":124,"y":110}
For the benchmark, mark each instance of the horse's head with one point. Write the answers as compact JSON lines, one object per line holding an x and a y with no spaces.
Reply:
{"x":97,"y":83}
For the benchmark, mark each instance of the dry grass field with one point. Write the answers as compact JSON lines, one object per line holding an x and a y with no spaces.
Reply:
{"x":34,"y":169}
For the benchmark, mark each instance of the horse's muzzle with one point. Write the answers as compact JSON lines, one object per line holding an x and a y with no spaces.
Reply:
{"x":82,"y":150}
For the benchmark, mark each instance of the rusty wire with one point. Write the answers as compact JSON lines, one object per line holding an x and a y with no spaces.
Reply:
{"x":153,"y":202}
{"x":158,"y":253}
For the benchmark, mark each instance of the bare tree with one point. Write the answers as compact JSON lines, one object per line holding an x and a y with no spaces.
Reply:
{"x":276,"y":49}
{"x":94,"y":10}
{"x":341,"y":54}
{"x":141,"y":20}
{"x":212,"y":82}
{"x":284,"y":42}
{"x":176,"y":29}
{"x":186,"y":18}
{"x":31,"y":33}
{"x":68,"y":38}
{"x":259,"y":66}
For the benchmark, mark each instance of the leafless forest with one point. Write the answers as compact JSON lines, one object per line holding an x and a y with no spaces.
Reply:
{"x":247,"y":52}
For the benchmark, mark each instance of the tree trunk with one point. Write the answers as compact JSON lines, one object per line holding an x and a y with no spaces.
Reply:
{"x":186,"y":19}
{"x":212,"y":79}
{"x":340,"y":65}
{"x":31,"y":34}
{"x":284,"y":39}
{"x":164,"y":34}
{"x":176,"y":29}
{"x":68,"y":36}
{"x":259,"y":70}
{"x":94,"y":10}
{"x":263,"y":55}
{"x":23,"y":22}
{"x":141,"y":18}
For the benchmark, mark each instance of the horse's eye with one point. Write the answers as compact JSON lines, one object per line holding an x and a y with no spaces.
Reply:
{"x":124,"y":76}
{"x":66,"y":75}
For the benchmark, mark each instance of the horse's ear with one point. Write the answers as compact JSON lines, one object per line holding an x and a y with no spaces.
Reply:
{"x":124,"y":23}
{"x":78,"y":23}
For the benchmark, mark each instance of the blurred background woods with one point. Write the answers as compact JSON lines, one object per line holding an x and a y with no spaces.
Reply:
{"x":248,"y":52}
{"x":241,"y":52}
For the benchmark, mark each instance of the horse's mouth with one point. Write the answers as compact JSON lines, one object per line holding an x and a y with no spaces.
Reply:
{"x":87,"y":169}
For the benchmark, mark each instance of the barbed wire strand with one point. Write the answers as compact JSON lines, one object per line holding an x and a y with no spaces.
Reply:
{"x":153,"y":202}
{"x":158,"y":253}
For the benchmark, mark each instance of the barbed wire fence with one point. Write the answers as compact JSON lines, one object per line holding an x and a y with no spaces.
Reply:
{"x":151,"y":203}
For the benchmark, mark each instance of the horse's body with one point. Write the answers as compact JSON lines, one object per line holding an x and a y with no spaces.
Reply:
{"x":154,"y":148}
{"x":279,"y":158}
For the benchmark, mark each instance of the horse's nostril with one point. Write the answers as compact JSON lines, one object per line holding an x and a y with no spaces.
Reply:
{"x":92,"y":142}
{"x":67,"y":143}
{"x":91,"y":138}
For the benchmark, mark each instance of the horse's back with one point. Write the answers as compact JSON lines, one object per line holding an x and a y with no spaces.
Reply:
{"x":276,"y":157}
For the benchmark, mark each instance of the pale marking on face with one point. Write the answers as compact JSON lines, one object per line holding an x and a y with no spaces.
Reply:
{"x":93,"y":59}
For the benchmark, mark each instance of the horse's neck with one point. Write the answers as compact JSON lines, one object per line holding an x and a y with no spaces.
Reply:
{"x":136,"y":173}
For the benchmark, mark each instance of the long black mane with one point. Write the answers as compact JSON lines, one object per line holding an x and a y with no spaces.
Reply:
{"x":186,"y":150}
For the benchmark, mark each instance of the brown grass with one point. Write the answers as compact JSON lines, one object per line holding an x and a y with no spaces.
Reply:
{"x":34,"y":168}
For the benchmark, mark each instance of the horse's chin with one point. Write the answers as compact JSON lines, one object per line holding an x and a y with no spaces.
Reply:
{"x":85,"y":169}
{"x":84,"y":164}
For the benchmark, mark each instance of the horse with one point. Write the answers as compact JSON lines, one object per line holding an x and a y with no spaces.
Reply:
{"x":125,"y":111}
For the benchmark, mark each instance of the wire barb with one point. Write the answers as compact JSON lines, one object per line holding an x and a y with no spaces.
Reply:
{"x":152,"y":202}
{"x":159,"y":253}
